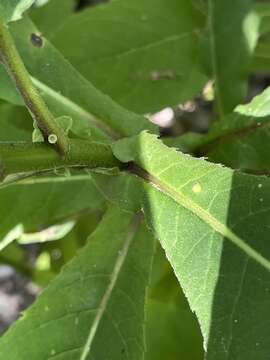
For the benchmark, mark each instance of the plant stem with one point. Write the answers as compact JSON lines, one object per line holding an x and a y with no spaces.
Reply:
{"x":26,"y":157}
{"x":13,"y":63}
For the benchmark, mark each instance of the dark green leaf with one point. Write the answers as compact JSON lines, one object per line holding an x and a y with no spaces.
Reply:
{"x":66,"y":92}
{"x":95,"y":307}
{"x":232,"y":35}
{"x":15,"y":123}
{"x":12,"y":10}
{"x":172,"y":331}
{"x":52,"y":16}
{"x":239,"y":141}
{"x":143,"y":53}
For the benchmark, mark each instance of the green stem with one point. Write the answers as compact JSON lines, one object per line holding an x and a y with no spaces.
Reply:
{"x":13,"y":63}
{"x":28,"y":157}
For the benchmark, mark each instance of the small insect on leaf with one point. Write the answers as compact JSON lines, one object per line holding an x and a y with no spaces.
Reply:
{"x":36,"y":40}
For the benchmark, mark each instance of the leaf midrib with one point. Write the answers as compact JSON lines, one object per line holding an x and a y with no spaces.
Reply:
{"x":143,"y":47}
{"x":205,"y":216}
{"x":122,"y":254}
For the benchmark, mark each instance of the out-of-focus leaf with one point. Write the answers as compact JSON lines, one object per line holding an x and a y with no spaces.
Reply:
{"x":35,"y":204}
{"x":258,"y":107}
{"x":231,"y":38}
{"x":239,"y":141}
{"x":52,"y":233}
{"x":213,"y":223}
{"x":12,"y":10}
{"x":15,"y":256}
{"x":143,"y":53}
{"x":50,"y":17}
{"x":261,"y":58}
{"x":263,"y":10}
{"x":98,"y":298}
{"x":15,"y":123}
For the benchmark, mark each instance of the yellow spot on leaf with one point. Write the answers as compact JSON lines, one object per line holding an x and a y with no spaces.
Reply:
{"x":197,"y":188}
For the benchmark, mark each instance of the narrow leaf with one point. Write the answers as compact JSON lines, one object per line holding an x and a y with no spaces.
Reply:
{"x":97,"y":299}
{"x":231,"y":47}
{"x":35,"y":204}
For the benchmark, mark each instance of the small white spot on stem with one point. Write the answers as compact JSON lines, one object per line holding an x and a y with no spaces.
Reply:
{"x":52,"y":138}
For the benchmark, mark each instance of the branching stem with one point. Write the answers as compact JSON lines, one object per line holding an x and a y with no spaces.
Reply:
{"x":27,"y":157}
{"x":13,"y":63}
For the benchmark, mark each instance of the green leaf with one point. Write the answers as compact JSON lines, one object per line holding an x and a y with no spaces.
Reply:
{"x":66,"y":92}
{"x":97,"y":299}
{"x":119,"y":189}
{"x":7,"y":90}
{"x":143,"y":53}
{"x":52,"y":233}
{"x":213,"y":224}
{"x":239,"y":141}
{"x":12,"y":10}
{"x":263,"y":10}
{"x":51,"y":17}
{"x":258,"y":107}
{"x":261,"y":59}
{"x":15,"y":123}
{"x":231,"y":45}
{"x":246,"y":149}
{"x":35,"y":204}
{"x":172,"y":331}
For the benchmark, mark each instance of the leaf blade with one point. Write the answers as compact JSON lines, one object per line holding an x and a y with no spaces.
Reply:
{"x":238,"y":39}
{"x":208,"y":266}
{"x":12,"y":10}
{"x":148,"y":49}
{"x":75,"y":318}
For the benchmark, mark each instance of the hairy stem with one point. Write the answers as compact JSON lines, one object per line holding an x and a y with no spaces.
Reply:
{"x":13,"y":63}
{"x":26,"y":157}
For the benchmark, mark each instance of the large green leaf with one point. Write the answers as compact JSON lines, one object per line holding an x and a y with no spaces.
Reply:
{"x":143,"y":53}
{"x":66,"y":92}
{"x":213,"y":223}
{"x":11,"y":10}
{"x":35,"y":204}
{"x":95,"y":308}
{"x":232,"y":35}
